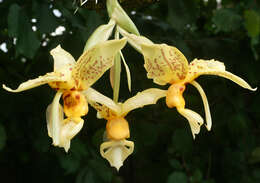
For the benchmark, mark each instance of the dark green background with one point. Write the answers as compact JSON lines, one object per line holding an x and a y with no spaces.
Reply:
{"x":164,"y":148}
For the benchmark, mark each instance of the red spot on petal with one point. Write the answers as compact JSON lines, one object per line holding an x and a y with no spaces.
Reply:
{"x":77,"y":97}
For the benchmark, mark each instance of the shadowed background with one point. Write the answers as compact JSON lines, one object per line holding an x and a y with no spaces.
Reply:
{"x":164,"y":148}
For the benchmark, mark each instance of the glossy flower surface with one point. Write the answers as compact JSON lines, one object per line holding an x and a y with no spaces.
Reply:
{"x":167,"y":65}
{"x":70,"y":78}
{"x":117,"y":148}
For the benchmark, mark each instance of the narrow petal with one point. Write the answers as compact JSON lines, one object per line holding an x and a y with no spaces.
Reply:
{"x":116,"y":152}
{"x":101,"y":34}
{"x":48,"y":78}
{"x":146,"y":97}
{"x":134,"y":40}
{"x":69,"y":129}
{"x":164,"y":64}
{"x":54,"y":117}
{"x":195,"y":120}
{"x":101,"y":103}
{"x":205,"y":103}
{"x":93,"y":63}
{"x":212,"y":67}
{"x":61,"y":58}
{"x":128,"y":74}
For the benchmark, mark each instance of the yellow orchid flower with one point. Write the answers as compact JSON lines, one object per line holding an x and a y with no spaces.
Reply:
{"x":166,"y":64}
{"x":70,"y":78}
{"x":117,"y":148}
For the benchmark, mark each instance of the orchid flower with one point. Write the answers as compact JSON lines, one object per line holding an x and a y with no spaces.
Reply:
{"x":167,"y":65}
{"x":70,"y":79}
{"x":117,"y":148}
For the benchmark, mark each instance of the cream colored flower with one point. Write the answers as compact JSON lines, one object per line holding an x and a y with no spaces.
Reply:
{"x":117,"y":149}
{"x":70,"y":78}
{"x":167,"y":65}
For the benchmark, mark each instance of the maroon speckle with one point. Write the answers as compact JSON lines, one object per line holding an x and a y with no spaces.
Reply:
{"x":73,"y":89}
{"x":77,"y":97}
{"x":181,"y":88}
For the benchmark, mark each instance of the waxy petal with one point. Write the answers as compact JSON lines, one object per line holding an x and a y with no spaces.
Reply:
{"x":101,"y":103}
{"x":47,"y":78}
{"x":116,"y":152}
{"x":68,"y":130}
{"x":195,"y":120}
{"x":212,"y":67}
{"x":94,"y":62}
{"x":146,"y":97}
{"x":205,"y":103}
{"x":134,"y":40}
{"x":62,"y":59}
{"x":164,"y":64}
{"x":101,"y":34}
{"x":54,"y":117}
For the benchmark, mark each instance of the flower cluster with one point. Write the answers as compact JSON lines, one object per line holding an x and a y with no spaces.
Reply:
{"x":73,"y":79}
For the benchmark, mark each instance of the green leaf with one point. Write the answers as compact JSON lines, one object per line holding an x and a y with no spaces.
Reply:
{"x":252,"y":23}
{"x":13,"y":20}
{"x":2,"y":137}
{"x":226,"y":20}
{"x":177,"y":177}
{"x":46,"y":21}
{"x":19,"y":26}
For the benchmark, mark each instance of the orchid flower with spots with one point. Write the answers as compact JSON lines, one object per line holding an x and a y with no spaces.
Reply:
{"x":70,"y":79}
{"x":117,"y":148}
{"x":167,"y":65}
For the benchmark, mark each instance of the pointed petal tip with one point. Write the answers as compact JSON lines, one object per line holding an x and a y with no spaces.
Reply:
{"x":7,"y":89}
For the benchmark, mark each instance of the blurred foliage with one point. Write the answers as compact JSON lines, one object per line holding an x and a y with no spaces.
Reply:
{"x":164,"y":148}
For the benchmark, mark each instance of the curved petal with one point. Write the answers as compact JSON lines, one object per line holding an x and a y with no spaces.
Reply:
{"x":146,"y":97}
{"x":54,"y":117}
{"x":61,"y":58}
{"x":212,"y":67}
{"x":164,"y":64}
{"x":134,"y":40}
{"x":69,"y":129}
{"x":93,"y":63}
{"x":128,"y":74}
{"x":48,"y":78}
{"x":195,"y":120}
{"x":205,"y":103}
{"x":101,"y":34}
{"x":116,"y":152}
{"x":93,"y":95}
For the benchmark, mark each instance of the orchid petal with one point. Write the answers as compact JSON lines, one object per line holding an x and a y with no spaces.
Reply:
{"x":146,"y":97}
{"x":134,"y":40}
{"x":205,"y":103}
{"x":62,"y":58}
{"x":101,"y":103}
{"x":54,"y":117}
{"x":164,"y":64}
{"x":212,"y":67}
{"x":128,"y":74}
{"x":195,"y":120}
{"x":69,"y":129}
{"x":116,"y":152}
{"x":47,"y":78}
{"x":94,"y":62}
{"x":101,"y":34}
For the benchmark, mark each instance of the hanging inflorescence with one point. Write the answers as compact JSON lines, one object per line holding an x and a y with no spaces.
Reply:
{"x":73,"y":80}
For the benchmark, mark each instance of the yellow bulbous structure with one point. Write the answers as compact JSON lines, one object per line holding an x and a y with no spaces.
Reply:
{"x":117,"y":128}
{"x":75,"y":104}
{"x":174,"y":96}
